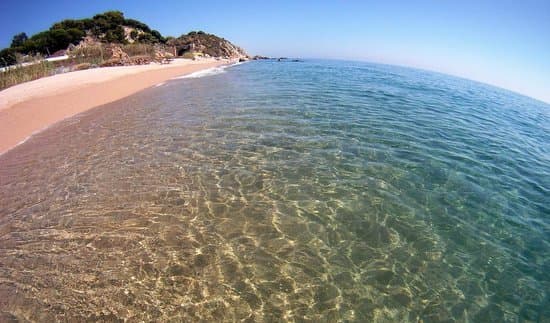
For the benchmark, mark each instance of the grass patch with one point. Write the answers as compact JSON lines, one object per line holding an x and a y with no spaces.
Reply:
{"x":79,"y":59}
{"x":22,"y":74}
{"x":139,"y":50}
{"x":95,"y":54}
{"x":189,"y":55}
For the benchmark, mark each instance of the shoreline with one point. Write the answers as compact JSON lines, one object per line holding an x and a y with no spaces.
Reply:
{"x":31,"y":107}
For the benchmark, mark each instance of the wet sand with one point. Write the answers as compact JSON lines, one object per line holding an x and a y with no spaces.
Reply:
{"x":33,"y":106}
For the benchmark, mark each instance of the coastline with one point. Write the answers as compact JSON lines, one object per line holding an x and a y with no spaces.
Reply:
{"x":31,"y":107}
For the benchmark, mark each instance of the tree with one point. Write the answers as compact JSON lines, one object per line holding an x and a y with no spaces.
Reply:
{"x":147,"y":38}
{"x":75,"y":35}
{"x":156,"y":34}
{"x":115,"y":35}
{"x":106,"y":27}
{"x":80,"y":24}
{"x":29,"y":47}
{"x":41,"y":42}
{"x":137,"y":24}
{"x":7,"y":57}
{"x":18,"y":40}
{"x":50,"y":41}
{"x":58,"y":39}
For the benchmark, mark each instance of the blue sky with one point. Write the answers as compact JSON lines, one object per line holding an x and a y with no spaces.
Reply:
{"x":504,"y":43}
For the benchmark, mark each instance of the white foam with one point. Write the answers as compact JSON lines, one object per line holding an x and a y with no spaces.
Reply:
{"x":160,"y":84}
{"x":208,"y":72}
{"x":203,"y":73}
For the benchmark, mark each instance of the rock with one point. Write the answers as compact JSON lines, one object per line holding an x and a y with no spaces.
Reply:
{"x":82,"y":66}
{"x":207,"y":44}
{"x":111,"y":62}
{"x":118,"y":54}
{"x":139,"y":60}
{"x":258,"y":57}
{"x":159,"y":56}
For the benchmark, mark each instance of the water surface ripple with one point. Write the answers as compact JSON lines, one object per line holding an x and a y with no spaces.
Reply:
{"x":297,"y":191}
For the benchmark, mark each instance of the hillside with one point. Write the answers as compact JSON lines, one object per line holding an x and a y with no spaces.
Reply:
{"x":202,"y":43}
{"x":106,"y":39}
{"x":110,"y":28}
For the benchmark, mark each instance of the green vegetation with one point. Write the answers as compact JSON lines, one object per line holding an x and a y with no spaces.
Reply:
{"x":111,"y":27}
{"x":107,"y":27}
{"x":50,"y":41}
{"x":93,"y":54}
{"x":18,"y":40}
{"x":139,"y":50}
{"x":106,"y":39}
{"x":80,"y":58}
{"x":7,"y":57}
{"x":208,"y":44}
{"x":26,"y":73}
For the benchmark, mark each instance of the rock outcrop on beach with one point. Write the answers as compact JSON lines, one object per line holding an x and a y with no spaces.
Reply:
{"x":259,"y":57}
{"x":197,"y":44}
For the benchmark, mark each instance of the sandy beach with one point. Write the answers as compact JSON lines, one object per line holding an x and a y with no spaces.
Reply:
{"x":31,"y":107}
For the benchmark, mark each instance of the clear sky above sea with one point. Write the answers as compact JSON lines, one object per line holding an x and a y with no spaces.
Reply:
{"x":504,"y":43}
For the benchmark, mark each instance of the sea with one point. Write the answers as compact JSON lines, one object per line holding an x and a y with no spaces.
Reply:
{"x":301,"y":191}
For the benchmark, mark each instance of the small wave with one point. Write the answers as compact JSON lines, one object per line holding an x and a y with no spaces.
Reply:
{"x":208,"y":72}
{"x":160,"y":84}
{"x":27,"y":138}
{"x":236,"y":64}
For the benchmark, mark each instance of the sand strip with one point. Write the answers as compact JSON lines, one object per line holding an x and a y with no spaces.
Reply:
{"x":30,"y":107}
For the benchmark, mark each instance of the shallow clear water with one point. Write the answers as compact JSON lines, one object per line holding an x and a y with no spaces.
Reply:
{"x":301,"y":191}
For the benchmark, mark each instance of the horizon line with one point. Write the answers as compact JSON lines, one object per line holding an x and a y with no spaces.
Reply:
{"x":425,"y":69}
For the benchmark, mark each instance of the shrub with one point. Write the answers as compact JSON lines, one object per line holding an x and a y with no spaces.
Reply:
{"x":94,"y":54}
{"x":188,"y":55}
{"x":25,"y":73}
{"x":80,"y":24}
{"x":7,"y":57}
{"x":115,"y":35}
{"x":156,"y":34}
{"x":18,"y":40}
{"x":106,"y":26}
{"x":147,"y":38}
{"x":139,"y":49}
{"x":137,"y":24}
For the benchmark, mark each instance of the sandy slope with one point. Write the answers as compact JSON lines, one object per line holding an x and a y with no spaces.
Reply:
{"x":30,"y":107}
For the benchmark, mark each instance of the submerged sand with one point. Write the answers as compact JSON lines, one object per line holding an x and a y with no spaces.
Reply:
{"x":30,"y":107}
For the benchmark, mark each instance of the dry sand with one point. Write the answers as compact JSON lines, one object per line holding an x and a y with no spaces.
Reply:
{"x":30,"y":107}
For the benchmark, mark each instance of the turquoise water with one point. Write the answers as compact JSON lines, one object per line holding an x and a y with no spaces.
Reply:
{"x":295,"y":191}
